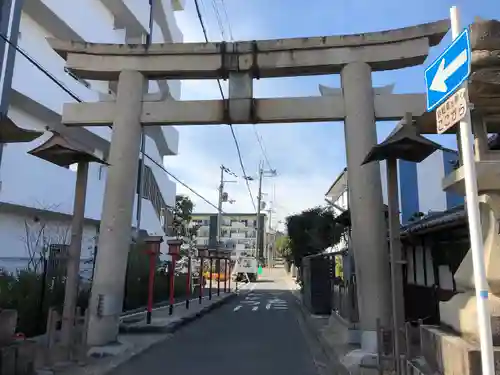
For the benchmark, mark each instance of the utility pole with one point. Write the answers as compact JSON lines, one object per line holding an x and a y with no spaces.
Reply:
{"x":270,"y":243}
{"x":260,"y":253}
{"x":260,"y":230}
{"x":219,"y":208}
{"x":223,"y":197}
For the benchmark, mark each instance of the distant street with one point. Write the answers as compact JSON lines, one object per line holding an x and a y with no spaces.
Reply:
{"x":257,"y":333}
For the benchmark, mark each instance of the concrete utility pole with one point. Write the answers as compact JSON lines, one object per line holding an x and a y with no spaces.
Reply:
{"x":260,"y":229}
{"x":219,"y":207}
{"x":270,"y":243}
{"x":223,"y":197}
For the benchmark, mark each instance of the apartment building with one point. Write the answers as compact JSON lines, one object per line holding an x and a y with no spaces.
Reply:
{"x":36,"y":197}
{"x":238,"y":231}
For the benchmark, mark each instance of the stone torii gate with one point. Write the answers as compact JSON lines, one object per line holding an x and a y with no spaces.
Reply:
{"x":358,"y":105}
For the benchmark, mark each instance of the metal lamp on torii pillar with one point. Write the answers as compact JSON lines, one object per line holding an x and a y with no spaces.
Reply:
{"x":406,"y":144}
{"x":64,"y":152}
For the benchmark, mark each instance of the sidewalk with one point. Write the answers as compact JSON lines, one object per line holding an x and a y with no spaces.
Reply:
{"x":136,"y":337}
{"x":330,"y":334}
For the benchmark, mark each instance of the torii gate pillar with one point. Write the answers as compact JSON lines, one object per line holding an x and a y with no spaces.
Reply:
{"x":369,"y":232}
{"x":115,"y":233}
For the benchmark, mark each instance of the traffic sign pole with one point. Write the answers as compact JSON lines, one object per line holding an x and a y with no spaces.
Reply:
{"x":476,"y":236}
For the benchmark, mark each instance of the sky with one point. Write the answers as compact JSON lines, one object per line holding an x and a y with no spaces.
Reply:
{"x":307,"y":157}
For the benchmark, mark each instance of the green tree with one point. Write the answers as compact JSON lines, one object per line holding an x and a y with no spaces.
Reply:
{"x":311,"y":232}
{"x":283,"y":247}
{"x":182,"y":215}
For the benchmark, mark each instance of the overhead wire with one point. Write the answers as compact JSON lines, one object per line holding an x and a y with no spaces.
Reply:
{"x":79,"y":100}
{"x":220,"y":22}
{"x":238,"y":150}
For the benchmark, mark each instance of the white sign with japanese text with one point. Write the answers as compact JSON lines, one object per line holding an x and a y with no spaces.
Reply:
{"x":451,"y":111}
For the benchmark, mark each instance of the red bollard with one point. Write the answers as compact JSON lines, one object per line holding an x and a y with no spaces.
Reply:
{"x":174,"y":247}
{"x":210,"y":281}
{"x":188,"y":283}
{"x":225,"y":275}
{"x":202,"y":254}
{"x":153,"y":250}
{"x":229,"y":277}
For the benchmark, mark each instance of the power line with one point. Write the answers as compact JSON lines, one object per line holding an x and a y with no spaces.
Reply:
{"x":76,"y":98}
{"x":220,"y":22}
{"x":198,"y":12}
{"x":180,"y":182}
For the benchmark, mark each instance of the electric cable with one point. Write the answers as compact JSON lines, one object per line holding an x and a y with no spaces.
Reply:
{"x":238,"y":150}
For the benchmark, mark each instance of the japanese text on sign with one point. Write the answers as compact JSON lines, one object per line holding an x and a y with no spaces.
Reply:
{"x":451,"y":111}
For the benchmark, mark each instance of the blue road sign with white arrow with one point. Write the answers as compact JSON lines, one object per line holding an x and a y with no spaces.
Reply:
{"x":448,"y":71}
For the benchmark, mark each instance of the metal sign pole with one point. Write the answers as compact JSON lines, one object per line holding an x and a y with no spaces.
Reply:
{"x":476,"y":236}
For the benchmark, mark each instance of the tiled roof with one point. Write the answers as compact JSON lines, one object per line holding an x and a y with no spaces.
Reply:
{"x":436,"y":219}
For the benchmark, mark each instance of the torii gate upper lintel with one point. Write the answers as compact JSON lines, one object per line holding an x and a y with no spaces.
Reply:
{"x":359,"y":105}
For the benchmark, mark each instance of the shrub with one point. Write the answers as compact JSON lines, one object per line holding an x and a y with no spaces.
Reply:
{"x":137,"y":280}
{"x":25,"y":292}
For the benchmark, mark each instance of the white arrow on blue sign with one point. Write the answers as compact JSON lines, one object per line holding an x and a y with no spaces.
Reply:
{"x":448,"y":71}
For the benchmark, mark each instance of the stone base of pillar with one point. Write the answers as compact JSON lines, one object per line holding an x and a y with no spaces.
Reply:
{"x":448,"y":353}
{"x":355,"y":351}
{"x":460,"y":314}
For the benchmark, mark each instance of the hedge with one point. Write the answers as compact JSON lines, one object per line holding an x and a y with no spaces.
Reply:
{"x":26,"y":292}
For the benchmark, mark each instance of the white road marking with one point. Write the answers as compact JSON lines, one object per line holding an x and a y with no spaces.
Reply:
{"x":268,"y":306}
{"x":255,"y":308}
{"x":237,"y":308}
{"x":280,"y":308}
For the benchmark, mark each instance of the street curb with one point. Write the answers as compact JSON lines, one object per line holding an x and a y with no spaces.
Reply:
{"x":176,"y":325}
{"x":113,"y":363}
{"x":334,"y":365}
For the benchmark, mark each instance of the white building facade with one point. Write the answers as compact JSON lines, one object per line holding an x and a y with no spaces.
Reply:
{"x":419,"y":185}
{"x":36,"y":197}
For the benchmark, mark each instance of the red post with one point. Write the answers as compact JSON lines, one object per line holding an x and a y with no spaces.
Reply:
{"x":188,"y":283}
{"x":174,"y":247}
{"x":229,"y":280}
{"x":225,"y":275}
{"x":202,"y":281}
{"x":202,"y":254}
{"x":153,"y":243}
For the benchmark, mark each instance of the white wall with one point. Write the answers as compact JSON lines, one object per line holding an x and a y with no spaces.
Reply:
{"x":43,"y":185}
{"x":20,"y":234}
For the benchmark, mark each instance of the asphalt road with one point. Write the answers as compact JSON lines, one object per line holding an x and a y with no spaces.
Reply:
{"x":257,"y":333}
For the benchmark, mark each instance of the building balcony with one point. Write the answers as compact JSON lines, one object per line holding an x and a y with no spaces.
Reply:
{"x":45,"y":186}
{"x":69,"y":20}
{"x":33,"y":83}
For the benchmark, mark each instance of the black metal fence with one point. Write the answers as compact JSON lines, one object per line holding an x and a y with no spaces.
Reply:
{"x":344,"y":300}
{"x":327,"y":288}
